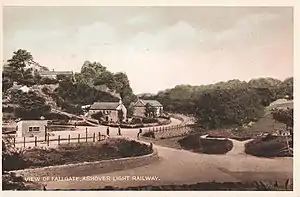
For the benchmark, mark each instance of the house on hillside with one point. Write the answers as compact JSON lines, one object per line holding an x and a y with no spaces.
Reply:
{"x":140,"y":107}
{"x":31,"y":128}
{"x":110,"y":110}
{"x":53,"y":74}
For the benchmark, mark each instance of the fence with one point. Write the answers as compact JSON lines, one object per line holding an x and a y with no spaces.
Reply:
{"x":59,"y":139}
{"x":168,"y":128}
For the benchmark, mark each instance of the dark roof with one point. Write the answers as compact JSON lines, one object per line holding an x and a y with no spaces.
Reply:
{"x":105,"y":105}
{"x":56,"y":73}
{"x":153,"y":103}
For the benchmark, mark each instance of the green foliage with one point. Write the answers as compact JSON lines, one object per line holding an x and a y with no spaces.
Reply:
{"x":30,"y":106}
{"x":225,"y":103}
{"x":269,"y":146}
{"x":97,"y":115}
{"x":130,"y":111}
{"x":94,"y":74}
{"x":120,"y":115}
{"x":15,"y":70}
{"x":147,"y":120}
{"x":285,"y":116}
{"x":20,"y":59}
{"x":81,"y":94}
{"x":136,"y":121}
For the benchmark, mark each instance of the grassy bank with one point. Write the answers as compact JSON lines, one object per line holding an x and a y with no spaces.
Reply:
{"x":207,"y":146}
{"x":270,"y":146}
{"x":75,"y":153}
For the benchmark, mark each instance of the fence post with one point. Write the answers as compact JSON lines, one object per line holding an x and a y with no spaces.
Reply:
{"x":45,"y":133}
{"x":14,"y":141}
{"x":86,"y":135}
{"x":78,"y":138}
{"x":24,"y":142}
{"x":35,"y":141}
{"x":99,"y":136}
{"x":58,"y":140}
{"x":94,"y":136}
{"x":69,"y":139}
{"x":48,"y":141}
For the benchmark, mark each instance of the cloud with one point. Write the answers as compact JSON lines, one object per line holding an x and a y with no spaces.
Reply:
{"x":138,"y":20}
{"x":158,"y":54}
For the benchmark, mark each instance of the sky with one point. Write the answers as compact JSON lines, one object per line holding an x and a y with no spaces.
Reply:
{"x":157,"y":47}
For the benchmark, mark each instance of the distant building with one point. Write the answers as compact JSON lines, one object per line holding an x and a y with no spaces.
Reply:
{"x":140,"y":107}
{"x":53,"y":74}
{"x":25,"y":89}
{"x":17,"y":87}
{"x":109,"y":110}
{"x":31,"y":128}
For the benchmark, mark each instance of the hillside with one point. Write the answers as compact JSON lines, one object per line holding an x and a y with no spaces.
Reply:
{"x":94,"y":83}
{"x":267,"y":124}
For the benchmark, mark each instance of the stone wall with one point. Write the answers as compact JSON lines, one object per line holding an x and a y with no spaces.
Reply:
{"x":90,"y":168}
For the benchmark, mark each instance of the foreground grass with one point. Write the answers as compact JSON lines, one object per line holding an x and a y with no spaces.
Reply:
{"x":75,"y":153}
{"x":211,"y":186}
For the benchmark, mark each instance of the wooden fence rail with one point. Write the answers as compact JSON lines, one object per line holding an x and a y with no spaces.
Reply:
{"x":58,"y":139}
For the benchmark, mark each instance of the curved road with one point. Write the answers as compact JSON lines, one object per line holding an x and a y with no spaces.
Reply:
{"x":184,"y":167}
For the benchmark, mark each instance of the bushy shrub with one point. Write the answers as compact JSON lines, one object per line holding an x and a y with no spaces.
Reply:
{"x":149,"y":134}
{"x":98,"y":116}
{"x":149,"y":120}
{"x":45,"y":90}
{"x":208,"y":146}
{"x":136,"y":121}
{"x":272,"y":146}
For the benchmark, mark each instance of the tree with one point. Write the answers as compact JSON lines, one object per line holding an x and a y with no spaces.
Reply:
{"x":20,"y":59}
{"x":285,"y":116}
{"x":120,"y":115}
{"x":149,"y":111}
{"x":98,"y":116}
{"x":106,"y":78}
{"x":130,"y":111}
{"x":30,"y":106}
{"x":15,"y":69}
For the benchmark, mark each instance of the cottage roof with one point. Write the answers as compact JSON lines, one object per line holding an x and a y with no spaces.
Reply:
{"x":16,"y":87}
{"x":56,"y":73}
{"x":153,"y":103}
{"x":105,"y":105}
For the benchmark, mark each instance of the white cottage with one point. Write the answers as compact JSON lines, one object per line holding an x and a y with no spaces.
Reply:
{"x":109,"y":110}
{"x":31,"y":128}
{"x":140,"y":107}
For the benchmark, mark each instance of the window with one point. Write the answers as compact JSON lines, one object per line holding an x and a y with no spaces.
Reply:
{"x":34,"y":129}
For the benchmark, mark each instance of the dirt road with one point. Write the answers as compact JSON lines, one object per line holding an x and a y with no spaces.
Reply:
{"x":184,"y":167}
